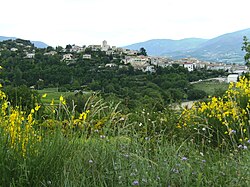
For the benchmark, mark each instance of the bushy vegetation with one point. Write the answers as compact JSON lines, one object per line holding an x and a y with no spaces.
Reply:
{"x":103,"y":140}
{"x":132,"y":87}
{"x":102,"y":145}
{"x":222,"y":121}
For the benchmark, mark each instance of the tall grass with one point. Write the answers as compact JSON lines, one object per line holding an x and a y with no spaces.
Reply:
{"x":104,"y":147}
{"x":122,"y":161}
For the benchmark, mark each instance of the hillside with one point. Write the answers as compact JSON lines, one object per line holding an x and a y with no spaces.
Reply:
{"x":225,"y":48}
{"x":37,"y":44}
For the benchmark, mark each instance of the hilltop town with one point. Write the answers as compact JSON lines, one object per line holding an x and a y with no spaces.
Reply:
{"x":138,"y":61}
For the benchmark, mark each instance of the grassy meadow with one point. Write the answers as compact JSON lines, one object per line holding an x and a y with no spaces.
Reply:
{"x":211,"y":88}
{"x":207,"y":145}
{"x":52,"y":94}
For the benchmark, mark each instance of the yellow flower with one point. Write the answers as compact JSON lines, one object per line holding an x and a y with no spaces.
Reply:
{"x":30,"y":119}
{"x":62,"y":100}
{"x":83,"y":116}
{"x":37,"y":107}
{"x":52,"y":102}
{"x":32,"y":111}
{"x":44,"y":95}
{"x":179,"y":126}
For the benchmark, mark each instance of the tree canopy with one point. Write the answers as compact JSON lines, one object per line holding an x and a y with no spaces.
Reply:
{"x":143,"y":51}
{"x":246,"y":48}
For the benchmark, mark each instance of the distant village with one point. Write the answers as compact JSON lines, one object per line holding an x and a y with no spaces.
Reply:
{"x":141,"y":62}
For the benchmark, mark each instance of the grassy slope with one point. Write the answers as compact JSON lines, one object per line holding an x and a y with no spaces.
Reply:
{"x":211,"y":88}
{"x":52,"y":93}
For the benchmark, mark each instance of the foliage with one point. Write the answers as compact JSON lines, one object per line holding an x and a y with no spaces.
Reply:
{"x":102,"y":146}
{"x":211,"y":88}
{"x":143,"y":51}
{"x":196,"y":94}
{"x":22,"y":96}
{"x":223,"y":121}
{"x":166,"y":85}
{"x":77,"y":101}
{"x":17,"y":126}
{"x":246,"y":48}
{"x":126,"y":134}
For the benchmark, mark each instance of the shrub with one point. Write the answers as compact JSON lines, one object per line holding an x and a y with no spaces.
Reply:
{"x":17,"y":126}
{"x":223,"y":121}
{"x":196,"y":94}
{"x":22,"y":96}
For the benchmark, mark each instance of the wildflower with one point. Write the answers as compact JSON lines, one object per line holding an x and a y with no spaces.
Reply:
{"x":30,"y":119}
{"x":248,"y":141}
{"x":126,"y":155}
{"x":90,"y":161}
{"x":52,"y":102}
{"x":240,"y":146}
{"x":37,"y":107}
{"x":32,"y":111}
{"x":44,"y":95}
{"x":178,"y":126}
{"x":83,"y":115}
{"x":144,"y":180}
{"x":184,"y":158}
{"x":203,"y":161}
{"x":244,"y":147}
{"x":233,"y":131}
{"x":175,"y":170}
{"x":62,"y":100}
{"x":135,"y":183}
{"x":102,"y":136}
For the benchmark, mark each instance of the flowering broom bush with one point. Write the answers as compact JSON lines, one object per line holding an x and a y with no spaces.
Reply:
{"x":223,"y":121}
{"x":17,"y":127}
{"x":98,"y":118}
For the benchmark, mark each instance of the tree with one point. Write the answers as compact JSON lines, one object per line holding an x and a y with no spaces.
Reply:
{"x":68,"y":47}
{"x":143,"y":51}
{"x":17,"y":77}
{"x":49,"y":48}
{"x":195,"y":94}
{"x":246,"y":48}
{"x":22,"y":96}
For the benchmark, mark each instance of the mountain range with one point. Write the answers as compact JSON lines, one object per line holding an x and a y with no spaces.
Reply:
{"x":37,"y":44}
{"x":225,"y":48}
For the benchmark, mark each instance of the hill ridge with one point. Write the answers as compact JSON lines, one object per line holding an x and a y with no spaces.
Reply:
{"x":224,"y":48}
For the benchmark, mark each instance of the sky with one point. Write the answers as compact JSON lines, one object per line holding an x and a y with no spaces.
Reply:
{"x":120,"y":22}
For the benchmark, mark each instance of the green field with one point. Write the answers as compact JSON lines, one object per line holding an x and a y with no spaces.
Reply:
{"x":211,"y":88}
{"x":53,"y":93}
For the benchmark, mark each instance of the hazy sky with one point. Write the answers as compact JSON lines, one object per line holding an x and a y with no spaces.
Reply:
{"x":120,"y":22}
